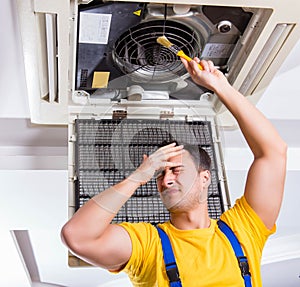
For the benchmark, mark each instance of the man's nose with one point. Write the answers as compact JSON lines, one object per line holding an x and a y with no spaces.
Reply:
{"x":169,"y":179}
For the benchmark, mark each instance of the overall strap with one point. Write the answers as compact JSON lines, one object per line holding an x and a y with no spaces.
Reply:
{"x":170,"y":262}
{"x":242,"y":259}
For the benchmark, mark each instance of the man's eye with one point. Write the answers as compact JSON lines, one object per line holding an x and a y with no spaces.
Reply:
{"x":177,"y":170}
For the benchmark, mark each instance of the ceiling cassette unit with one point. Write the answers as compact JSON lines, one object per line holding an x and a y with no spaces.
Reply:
{"x":104,"y":53}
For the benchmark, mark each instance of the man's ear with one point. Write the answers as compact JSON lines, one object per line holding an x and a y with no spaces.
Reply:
{"x":206,"y":177}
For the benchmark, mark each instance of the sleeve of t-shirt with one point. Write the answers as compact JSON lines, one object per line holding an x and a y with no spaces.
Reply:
{"x":244,"y":221}
{"x":140,"y":235}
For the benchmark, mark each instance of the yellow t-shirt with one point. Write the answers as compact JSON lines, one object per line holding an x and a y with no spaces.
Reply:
{"x":204,"y":256}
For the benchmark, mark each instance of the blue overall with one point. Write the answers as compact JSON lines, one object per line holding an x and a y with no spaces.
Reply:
{"x":170,"y":262}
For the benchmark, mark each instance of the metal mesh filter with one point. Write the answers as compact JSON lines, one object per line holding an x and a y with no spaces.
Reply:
{"x":138,"y":55}
{"x":107,"y":151}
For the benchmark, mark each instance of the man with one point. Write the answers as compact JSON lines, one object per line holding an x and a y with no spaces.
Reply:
{"x":203,"y":254}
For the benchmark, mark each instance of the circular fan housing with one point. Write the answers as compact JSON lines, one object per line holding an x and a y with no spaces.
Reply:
{"x":138,"y":55}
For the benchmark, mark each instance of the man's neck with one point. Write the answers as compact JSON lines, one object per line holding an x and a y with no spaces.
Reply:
{"x":193,"y":219}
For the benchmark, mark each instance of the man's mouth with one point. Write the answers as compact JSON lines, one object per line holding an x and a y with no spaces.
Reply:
{"x":170,"y":190}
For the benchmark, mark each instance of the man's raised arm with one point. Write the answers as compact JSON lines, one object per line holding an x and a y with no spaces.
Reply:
{"x":265,"y":182}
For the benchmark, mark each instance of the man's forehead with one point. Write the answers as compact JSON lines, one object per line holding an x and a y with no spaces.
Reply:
{"x":185,"y":156}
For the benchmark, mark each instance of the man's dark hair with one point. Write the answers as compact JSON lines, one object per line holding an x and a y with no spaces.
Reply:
{"x":200,"y":156}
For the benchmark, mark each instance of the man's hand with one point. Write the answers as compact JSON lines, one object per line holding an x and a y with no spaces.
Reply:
{"x":210,"y":77}
{"x":156,"y":161}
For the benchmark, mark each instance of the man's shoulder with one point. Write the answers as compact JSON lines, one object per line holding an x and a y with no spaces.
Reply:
{"x":241,"y":217}
{"x":235,"y":214}
{"x":239,"y":206}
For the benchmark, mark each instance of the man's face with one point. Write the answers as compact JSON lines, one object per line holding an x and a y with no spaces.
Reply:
{"x":180,"y":187}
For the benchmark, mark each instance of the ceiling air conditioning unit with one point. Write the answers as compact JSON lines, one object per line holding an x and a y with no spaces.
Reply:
{"x":85,"y":52}
{"x":96,"y":67}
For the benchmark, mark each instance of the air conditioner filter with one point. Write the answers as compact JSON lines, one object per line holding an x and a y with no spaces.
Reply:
{"x":107,"y":151}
